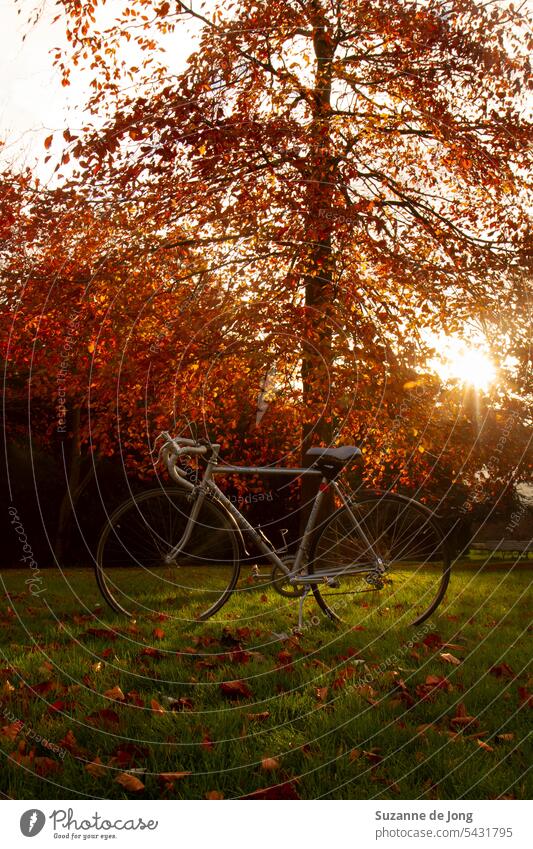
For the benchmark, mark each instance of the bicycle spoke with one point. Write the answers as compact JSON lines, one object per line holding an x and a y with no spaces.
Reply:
{"x":404,"y":536}
{"x":133,"y":573}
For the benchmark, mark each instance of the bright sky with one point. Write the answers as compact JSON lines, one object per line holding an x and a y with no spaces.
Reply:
{"x":32,"y":101}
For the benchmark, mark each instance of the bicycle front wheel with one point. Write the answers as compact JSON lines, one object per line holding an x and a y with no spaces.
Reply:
{"x":411,"y":546}
{"x":131,"y":567}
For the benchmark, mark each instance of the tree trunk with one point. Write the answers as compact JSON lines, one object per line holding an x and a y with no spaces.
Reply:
{"x":75,"y":487}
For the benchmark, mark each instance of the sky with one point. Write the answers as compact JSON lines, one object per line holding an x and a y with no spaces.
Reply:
{"x":33,"y":103}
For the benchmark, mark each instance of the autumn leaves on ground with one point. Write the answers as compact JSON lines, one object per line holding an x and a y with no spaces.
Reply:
{"x":95,"y":706}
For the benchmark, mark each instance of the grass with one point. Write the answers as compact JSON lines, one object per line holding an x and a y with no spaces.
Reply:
{"x":384,"y":711}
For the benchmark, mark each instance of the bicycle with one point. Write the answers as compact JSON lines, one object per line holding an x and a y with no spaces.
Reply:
{"x":181,"y":549}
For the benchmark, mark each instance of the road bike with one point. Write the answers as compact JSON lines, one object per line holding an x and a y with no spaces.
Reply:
{"x":177,"y":552}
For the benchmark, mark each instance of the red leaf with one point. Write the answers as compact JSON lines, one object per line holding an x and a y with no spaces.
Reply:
{"x":96,"y":768}
{"x":269,"y":764}
{"x":433,"y":641}
{"x":502,"y":670}
{"x":103,"y":717}
{"x":258,"y":717}
{"x":41,"y":689}
{"x":11,"y":731}
{"x":321,"y":694}
{"x":46,"y":766}
{"x":277,"y":791}
{"x":525,"y":696}
{"x":130,"y":782}
{"x":235,"y":690}
{"x":99,"y":633}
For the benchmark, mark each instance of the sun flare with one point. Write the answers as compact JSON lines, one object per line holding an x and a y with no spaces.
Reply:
{"x":468,"y":364}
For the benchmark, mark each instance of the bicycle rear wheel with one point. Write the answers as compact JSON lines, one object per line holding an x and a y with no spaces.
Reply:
{"x":131,"y":570}
{"x":404,"y":534}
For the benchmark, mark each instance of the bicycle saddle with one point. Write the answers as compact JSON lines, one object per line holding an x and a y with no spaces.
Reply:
{"x":331,"y":461}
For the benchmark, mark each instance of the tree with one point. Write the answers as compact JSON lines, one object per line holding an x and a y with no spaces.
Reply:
{"x":323,"y":183}
{"x":358,"y":164}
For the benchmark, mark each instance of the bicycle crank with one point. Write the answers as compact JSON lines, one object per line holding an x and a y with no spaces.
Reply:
{"x":282,"y":583}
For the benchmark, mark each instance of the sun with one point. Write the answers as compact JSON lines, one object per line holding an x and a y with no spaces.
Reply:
{"x":467,"y":364}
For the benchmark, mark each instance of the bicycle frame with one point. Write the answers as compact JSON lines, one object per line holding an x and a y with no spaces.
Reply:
{"x":207,"y":488}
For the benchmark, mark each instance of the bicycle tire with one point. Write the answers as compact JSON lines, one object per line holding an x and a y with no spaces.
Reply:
{"x":382,"y":518}
{"x":132,"y":575}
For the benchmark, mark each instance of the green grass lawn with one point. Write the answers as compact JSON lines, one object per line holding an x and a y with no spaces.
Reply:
{"x":381,"y":710}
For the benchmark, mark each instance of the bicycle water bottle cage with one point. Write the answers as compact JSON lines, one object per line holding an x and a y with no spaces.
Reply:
{"x":331,"y":461}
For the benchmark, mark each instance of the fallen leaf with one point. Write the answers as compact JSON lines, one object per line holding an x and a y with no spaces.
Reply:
{"x":115,"y":693}
{"x":269,"y":764}
{"x":58,"y":706}
{"x":373,"y":756}
{"x":368,"y":693}
{"x":432,"y":685}
{"x":158,"y":634}
{"x":321,"y":694}
{"x":129,"y":782}
{"x":96,"y":768}
{"x":214,"y":794}
{"x":46,"y":766}
{"x":169,"y":777}
{"x":235,"y":690}
{"x":449,"y":658}
{"x":12,"y":730}
{"x":104,"y":716}
{"x":99,"y":633}
{"x":433,"y":641}
{"x":525,"y":697}
{"x":504,"y":738}
{"x":41,"y":688}
{"x":127,"y":755}
{"x":483,"y":745}
{"x":183,"y":703}
{"x":207,"y":743}
{"x":156,"y":707}
{"x":502,"y":670}
{"x":239,"y":656}
{"x":258,"y":717}
{"x":70,"y":743}
{"x":277,"y":791}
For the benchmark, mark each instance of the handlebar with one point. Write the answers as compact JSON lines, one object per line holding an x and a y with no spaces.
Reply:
{"x":174,"y":447}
